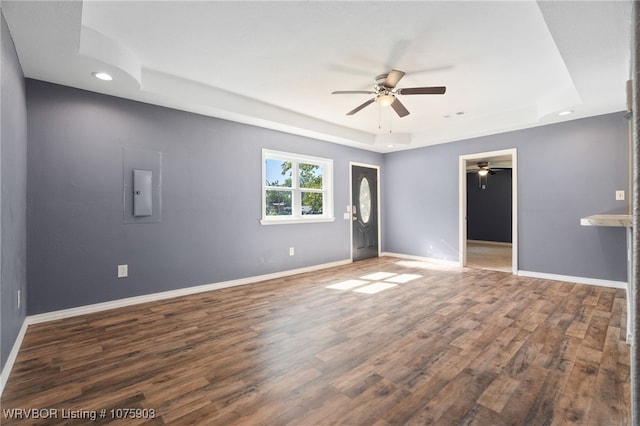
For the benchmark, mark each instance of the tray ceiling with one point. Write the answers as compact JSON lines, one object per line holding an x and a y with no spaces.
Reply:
{"x":506,"y":65}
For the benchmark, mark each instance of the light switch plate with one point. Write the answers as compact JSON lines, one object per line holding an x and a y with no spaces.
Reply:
{"x":620,"y":195}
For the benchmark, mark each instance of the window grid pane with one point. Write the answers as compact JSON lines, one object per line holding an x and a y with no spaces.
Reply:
{"x":279,"y":173}
{"x":312,"y":203}
{"x":311,"y":175}
{"x":278,"y":203}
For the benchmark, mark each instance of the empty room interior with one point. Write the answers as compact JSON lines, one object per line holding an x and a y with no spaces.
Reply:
{"x":310,"y":212}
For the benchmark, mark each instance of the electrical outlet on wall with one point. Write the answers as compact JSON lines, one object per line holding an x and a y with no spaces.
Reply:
{"x":123,"y":271}
{"x":620,"y":195}
{"x":292,"y":251}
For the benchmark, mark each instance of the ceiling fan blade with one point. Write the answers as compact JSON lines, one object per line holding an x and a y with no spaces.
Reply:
{"x":399,"y":108}
{"x":438,"y":90}
{"x":393,"y":78}
{"x":491,"y":172}
{"x":350,"y":92}
{"x":359,"y":107}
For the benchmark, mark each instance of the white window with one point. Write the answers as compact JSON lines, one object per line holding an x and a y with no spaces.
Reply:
{"x":296,"y":188}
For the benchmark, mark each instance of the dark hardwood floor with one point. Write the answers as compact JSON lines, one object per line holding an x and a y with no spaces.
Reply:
{"x":432,"y":346}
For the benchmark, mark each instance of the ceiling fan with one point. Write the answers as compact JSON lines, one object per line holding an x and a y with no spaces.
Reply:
{"x":385,"y":92}
{"x":484,"y":169}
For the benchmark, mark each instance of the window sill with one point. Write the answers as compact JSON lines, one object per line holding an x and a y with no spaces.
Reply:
{"x":295,"y":221}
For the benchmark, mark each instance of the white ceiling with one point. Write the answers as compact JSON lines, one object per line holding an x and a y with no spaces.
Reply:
{"x":506,"y":65}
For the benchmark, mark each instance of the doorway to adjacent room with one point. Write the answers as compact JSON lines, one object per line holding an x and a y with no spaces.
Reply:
{"x":488,"y":210}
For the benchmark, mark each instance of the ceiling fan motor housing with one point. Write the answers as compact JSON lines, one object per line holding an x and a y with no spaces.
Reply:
{"x":380,"y":88}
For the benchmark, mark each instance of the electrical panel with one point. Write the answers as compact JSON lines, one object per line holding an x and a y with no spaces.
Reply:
{"x":142,"y":192}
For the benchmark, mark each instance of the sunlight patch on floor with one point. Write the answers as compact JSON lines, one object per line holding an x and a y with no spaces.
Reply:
{"x":348,"y":284}
{"x":436,"y":266}
{"x":378,"y":276}
{"x":374,"y":283}
{"x":403,"y":278}
{"x":375,"y":288}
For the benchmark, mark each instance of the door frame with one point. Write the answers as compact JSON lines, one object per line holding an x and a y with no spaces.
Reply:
{"x":370,"y":166}
{"x":463,"y":204}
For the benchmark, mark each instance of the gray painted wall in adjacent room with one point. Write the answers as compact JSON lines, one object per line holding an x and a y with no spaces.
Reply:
{"x":13,"y":179}
{"x":565,"y":171}
{"x":489,"y":207}
{"x":211,"y":200}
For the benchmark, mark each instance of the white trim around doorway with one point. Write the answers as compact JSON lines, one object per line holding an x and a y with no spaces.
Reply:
{"x":462,"y":191}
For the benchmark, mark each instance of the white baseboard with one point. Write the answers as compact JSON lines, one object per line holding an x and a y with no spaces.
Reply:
{"x":8,"y":366}
{"x":450,"y":263}
{"x":578,"y":280}
{"x":88,"y":309}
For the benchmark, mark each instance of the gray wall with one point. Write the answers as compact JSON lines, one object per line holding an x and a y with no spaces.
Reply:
{"x":13,"y":179}
{"x":489,"y":208}
{"x":209,"y":230}
{"x":565,"y":171}
{"x":211,"y":200}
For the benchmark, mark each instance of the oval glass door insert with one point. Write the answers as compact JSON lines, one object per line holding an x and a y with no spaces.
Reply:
{"x":365,"y":200}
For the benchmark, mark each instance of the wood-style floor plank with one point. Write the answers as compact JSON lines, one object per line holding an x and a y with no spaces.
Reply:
{"x":442,"y":346}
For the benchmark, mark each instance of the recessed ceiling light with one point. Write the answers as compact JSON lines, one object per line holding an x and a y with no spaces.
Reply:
{"x":390,"y":146}
{"x":102,"y":76}
{"x":567,"y":112}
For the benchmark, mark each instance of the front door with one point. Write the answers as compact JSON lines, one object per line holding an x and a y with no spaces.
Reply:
{"x":364,"y":212}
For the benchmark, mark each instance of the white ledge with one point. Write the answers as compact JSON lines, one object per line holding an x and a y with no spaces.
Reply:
{"x":619,"y":220}
{"x":295,"y":221}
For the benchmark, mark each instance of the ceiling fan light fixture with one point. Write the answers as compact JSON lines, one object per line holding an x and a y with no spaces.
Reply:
{"x":386,"y":99}
{"x":483,"y":172}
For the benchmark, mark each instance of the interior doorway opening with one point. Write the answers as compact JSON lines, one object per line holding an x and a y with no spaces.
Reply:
{"x":488,"y":211}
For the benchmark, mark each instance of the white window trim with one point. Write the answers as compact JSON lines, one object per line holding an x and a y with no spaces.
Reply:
{"x":297,"y":217}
